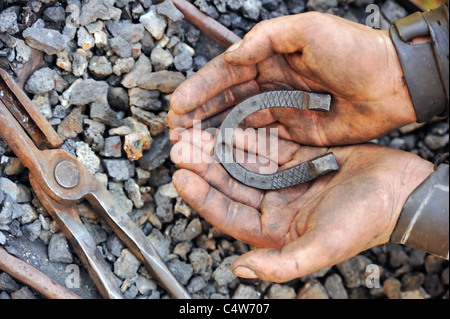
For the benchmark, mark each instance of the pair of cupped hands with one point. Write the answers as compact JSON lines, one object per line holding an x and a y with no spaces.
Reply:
{"x":304,"y":228}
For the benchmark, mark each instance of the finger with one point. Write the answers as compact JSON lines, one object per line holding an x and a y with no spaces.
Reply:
{"x":234,"y":218}
{"x":281,"y":35}
{"x":265,"y":143}
{"x":187,"y":156}
{"x":214,"y":78}
{"x":303,"y":256}
{"x":222,"y":101}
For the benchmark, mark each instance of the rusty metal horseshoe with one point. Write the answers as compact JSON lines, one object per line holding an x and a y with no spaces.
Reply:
{"x":298,"y":174}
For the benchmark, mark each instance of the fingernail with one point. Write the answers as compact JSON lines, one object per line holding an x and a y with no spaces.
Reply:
{"x":244,"y":272}
{"x":234,"y":47}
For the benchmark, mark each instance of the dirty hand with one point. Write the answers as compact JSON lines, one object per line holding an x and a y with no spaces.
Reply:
{"x":307,"y":227}
{"x":315,"y":52}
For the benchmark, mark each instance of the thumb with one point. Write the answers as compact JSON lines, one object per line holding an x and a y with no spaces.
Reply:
{"x":298,"y":258}
{"x":280,"y":35}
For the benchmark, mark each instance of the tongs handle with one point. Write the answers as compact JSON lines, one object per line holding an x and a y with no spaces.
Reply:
{"x":134,"y":238}
{"x":66,"y":215}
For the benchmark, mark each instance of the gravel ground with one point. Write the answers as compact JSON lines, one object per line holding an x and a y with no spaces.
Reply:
{"x":105,"y":89}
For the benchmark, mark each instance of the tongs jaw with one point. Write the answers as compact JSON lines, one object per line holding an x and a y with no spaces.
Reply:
{"x":60,"y":180}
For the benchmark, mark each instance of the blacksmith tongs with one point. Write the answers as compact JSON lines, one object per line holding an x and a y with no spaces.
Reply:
{"x":59,"y":181}
{"x":301,"y":173}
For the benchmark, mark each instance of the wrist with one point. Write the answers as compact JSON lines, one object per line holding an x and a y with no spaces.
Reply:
{"x":411,"y":175}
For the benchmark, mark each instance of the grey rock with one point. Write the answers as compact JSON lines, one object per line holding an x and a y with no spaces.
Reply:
{"x":144,"y":285}
{"x":87,"y":91}
{"x":335,"y":287}
{"x":79,"y":62}
{"x":146,"y":3}
{"x":8,"y":21}
{"x":118,"y":98}
{"x":182,"y":249}
{"x":353,"y":270}
{"x":6,"y":211}
{"x":201,"y":262}
{"x":2,"y":240}
{"x":221,"y":5}
{"x":134,"y":193}
{"x":23,"y":51}
{"x":223,"y":274}
{"x":72,"y":125}
{"x":122,"y":3}
{"x":42,"y":103}
{"x":182,"y":231}
{"x":161,"y":58}
{"x":120,"y":46}
{"x":158,"y":152}
{"x":7,"y":283}
{"x":159,"y":176}
{"x":93,"y":132}
{"x":181,"y":270}
{"x":41,"y":81}
{"x":321,"y":5}
{"x":85,"y":40}
{"x":87,"y":157}
{"x":98,"y":9}
{"x":312,"y":289}
{"x":117,"y":169}
{"x":436,"y":142}
{"x":146,"y":99}
{"x":142,"y":66}
{"x":153,"y":23}
{"x":440,"y":128}
{"x":234,"y":4}
{"x":55,"y":14}
{"x":29,"y":214}
{"x":132,"y":33}
{"x":32,"y":230}
{"x":112,"y":147}
{"x":115,"y":245}
{"x":123,"y":66}
{"x":245,"y":292}
{"x":196,"y":284}
{"x":165,"y":81}
{"x":47,"y":40}
{"x":398,"y":143}
{"x":131,"y":292}
{"x":393,"y":11}
{"x":251,"y":9}
{"x":160,"y":242}
{"x":58,"y":249}
{"x":127,"y":265}
{"x":9,"y":188}
{"x":207,"y":9}
{"x":168,"y":9}
{"x":279,"y":291}
{"x":23,"y":293}
{"x":183,"y":60}
{"x":101,"y":112}
{"x":100,"y":66}
{"x":122,"y":200}
{"x":96,"y":231}
{"x":164,"y":207}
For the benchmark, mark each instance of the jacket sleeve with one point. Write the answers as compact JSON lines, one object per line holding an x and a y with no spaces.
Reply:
{"x":424,"y":220}
{"x":425,"y":66}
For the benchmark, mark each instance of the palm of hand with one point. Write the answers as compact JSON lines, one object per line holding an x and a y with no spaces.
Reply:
{"x":316,"y":224}
{"x":358,"y":66}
